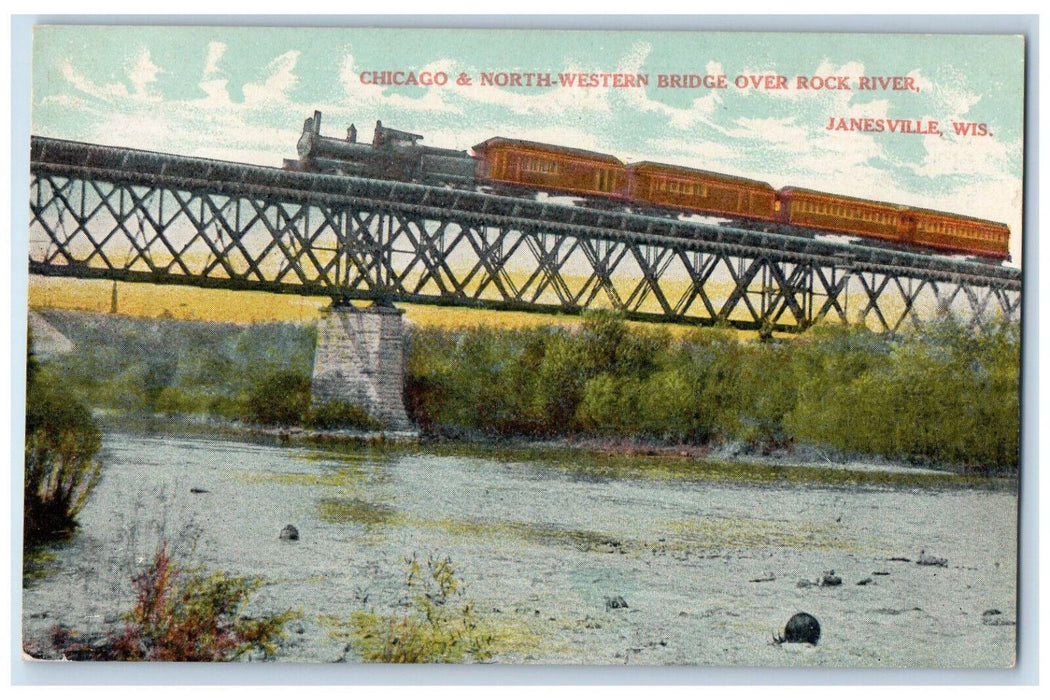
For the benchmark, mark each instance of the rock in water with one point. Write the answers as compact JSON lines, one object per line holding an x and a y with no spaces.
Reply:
{"x":995,"y":618}
{"x":828,"y":578}
{"x":802,"y":628}
{"x":925,"y":560}
{"x":289,"y":533}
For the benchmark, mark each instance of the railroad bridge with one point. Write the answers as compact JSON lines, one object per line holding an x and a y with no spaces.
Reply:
{"x":115,"y":213}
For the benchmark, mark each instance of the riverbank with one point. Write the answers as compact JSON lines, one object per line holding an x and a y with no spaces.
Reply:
{"x":591,"y":457}
{"x":941,"y":397}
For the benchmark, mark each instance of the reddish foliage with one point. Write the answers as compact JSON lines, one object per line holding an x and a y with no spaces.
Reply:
{"x":187,"y":618}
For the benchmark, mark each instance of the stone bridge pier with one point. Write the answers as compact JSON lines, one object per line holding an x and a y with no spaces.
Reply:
{"x":360,"y":359}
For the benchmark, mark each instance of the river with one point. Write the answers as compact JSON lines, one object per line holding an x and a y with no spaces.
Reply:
{"x":708,"y":569}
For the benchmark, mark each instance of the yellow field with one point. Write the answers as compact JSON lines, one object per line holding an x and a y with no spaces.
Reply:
{"x":192,"y":303}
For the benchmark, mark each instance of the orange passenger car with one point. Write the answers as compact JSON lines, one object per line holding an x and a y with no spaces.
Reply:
{"x":961,"y":234}
{"x":832,"y":212}
{"x":549,"y":168}
{"x":672,"y":186}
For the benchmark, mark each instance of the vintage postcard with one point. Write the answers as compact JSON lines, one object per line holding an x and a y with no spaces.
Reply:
{"x":378,"y":345}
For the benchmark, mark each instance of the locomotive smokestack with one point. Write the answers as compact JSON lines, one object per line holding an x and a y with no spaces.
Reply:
{"x":311,"y":130}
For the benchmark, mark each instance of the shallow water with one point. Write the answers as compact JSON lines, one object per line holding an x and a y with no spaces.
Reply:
{"x":540,"y":550}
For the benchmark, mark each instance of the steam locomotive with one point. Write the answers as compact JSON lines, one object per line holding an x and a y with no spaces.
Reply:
{"x":524,"y":168}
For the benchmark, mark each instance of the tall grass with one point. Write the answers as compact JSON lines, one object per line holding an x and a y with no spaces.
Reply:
{"x":436,"y":625}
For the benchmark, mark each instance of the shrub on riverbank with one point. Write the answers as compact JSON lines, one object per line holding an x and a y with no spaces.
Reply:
{"x":436,"y":626}
{"x":339,"y":415}
{"x":61,"y":442}
{"x":284,"y":399}
{"x":259,"y":373}
{"x":944,"y":395}
{"x":183,"y":615}
{"x":279,"y":398}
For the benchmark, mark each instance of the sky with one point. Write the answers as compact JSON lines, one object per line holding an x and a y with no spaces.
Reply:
{"x":242,"y":94}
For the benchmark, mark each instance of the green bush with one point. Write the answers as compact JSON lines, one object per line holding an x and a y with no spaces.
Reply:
{"x":284,"y":398}
{"x":340,"y":415}
{"x":670,"y":405}
{"x":946,"y":395}
{"x":60,"y":468}
{"x":278,"y":398}
{"x":609,"y":405}
{"x":557,"y":389}
{"x":436,"y":626}
{"x":761,"y":392}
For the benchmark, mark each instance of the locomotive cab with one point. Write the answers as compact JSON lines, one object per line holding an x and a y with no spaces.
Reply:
{"x":383,"y":137}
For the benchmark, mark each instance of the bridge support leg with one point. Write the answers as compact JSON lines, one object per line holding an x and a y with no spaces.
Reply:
{"x":360,"y":359}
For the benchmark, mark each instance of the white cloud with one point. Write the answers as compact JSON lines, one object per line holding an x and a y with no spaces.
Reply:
{"x":923,"y":83}
{"x":217,"y":93}
{"x":111,"y":91}
{"x":72,"y":103}
{"x":280,"y":80}
{"x":700,"y":110}
{"x":704,"y":154}
{"x":433,"y":99}
{"x":970,"y":157}
{"x":784,"y":133}
{"x":355,"y":90}
{"x":955,"y":100}
{"x":143,"y":74}
{"x":216,"y":50}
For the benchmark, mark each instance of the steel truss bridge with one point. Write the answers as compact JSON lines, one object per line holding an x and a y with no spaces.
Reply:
{"x":115,"y":213}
